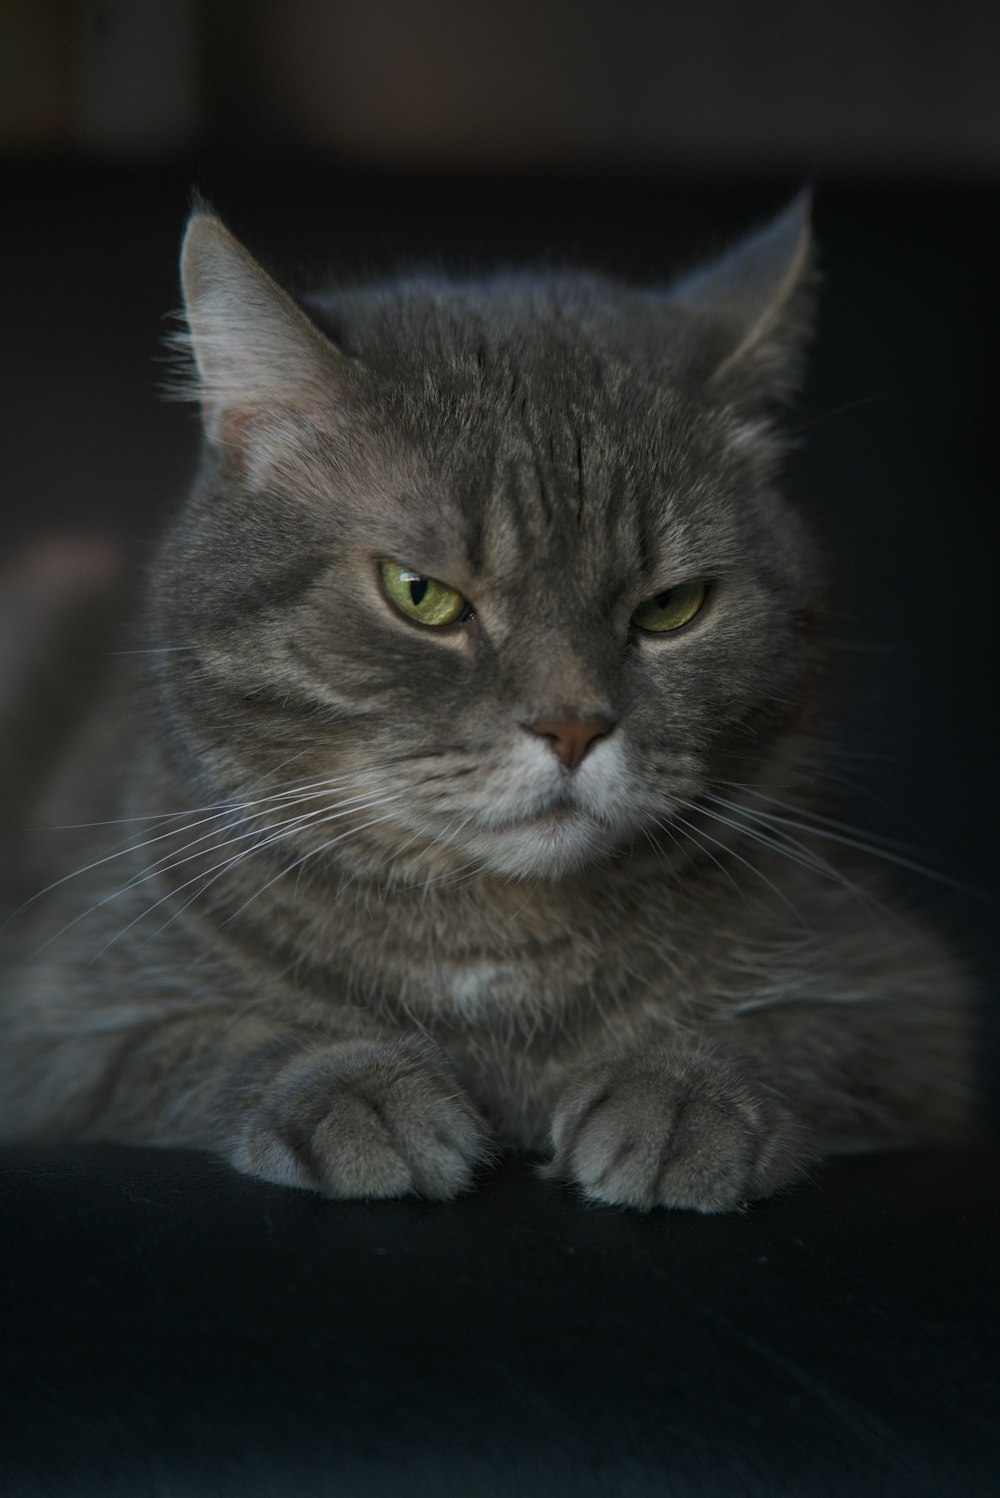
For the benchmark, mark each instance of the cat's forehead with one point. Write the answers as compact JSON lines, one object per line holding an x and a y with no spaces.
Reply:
{"x":423,"y":315}
{"x":508,"y":346}
{"x":556,"y":500}
{"x":535,"y":412}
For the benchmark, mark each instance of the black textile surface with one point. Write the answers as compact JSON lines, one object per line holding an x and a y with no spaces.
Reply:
{"x":173,"y":1330}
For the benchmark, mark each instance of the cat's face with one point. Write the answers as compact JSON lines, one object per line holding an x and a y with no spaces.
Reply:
{"x":502,"y":585}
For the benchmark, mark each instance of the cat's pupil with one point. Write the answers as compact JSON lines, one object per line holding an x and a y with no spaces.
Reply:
{"x":418,"y":587}
{"x":662,"y":599}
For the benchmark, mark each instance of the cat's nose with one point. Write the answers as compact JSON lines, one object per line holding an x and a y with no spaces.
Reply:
{"x":571,"y":738}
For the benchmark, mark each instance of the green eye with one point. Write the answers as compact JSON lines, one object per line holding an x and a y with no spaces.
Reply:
{"x":421,"y":598}
{"x":669,"y":610}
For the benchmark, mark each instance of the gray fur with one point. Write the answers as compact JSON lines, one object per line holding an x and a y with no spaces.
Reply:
{"x":356,"y":924}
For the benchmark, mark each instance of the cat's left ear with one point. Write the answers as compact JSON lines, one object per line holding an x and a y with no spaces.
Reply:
{"x":748,"y":317}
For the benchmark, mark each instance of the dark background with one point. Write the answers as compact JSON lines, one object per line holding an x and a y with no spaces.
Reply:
{"x":353,"y":137}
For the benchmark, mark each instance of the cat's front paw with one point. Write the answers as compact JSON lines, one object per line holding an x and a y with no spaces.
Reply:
{"x":663,"y":1129}
{"x":364,"y":1121}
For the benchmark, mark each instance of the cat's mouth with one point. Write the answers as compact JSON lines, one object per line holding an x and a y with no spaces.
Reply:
{"x":547,"y":837}
{"x":549,"y":814}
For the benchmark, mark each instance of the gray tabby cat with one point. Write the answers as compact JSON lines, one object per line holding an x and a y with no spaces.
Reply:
{"x":467,"y":798}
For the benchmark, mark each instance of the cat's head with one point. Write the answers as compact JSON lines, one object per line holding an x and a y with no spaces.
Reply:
{"x":495,"y":571}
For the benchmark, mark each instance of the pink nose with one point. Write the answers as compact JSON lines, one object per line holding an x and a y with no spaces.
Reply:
{"x":571,"y":738}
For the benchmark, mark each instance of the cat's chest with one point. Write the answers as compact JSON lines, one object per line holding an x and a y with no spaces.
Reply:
{"x":473,"y":986}
{"x":489,"y":988}
{"x":507,"y":961}
{"x":497,"y":975}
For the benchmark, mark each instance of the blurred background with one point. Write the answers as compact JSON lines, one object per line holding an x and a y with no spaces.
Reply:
{"x":871,"y":84}
{"x":352,"y":136}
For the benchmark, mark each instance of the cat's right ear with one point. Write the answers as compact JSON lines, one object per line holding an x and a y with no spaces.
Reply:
{"x":253,"y":352}
{"x":746,"y":318}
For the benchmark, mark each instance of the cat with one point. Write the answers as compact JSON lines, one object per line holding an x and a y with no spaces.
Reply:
{"x":466,"y":794}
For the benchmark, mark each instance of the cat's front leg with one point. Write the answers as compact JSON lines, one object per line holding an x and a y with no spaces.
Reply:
{"x":348,"y":1115}
{"x":359,"y":1119}
{"x":665,"y":1126}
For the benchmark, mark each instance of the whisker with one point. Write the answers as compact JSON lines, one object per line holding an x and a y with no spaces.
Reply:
{"x":161,"y":868}
{"x":289,"y":802}
{"x":193,"y":811}
{"x":855,"y":405}
{"x":524,"y":903}
{"x":312,"y":853}
{"x":122,"y":852}
{"x":665,"y":827}
{"x":814,"y":816}
{"x":781,"y":843}
{"x":219,"y":869}
{"x":275,"y":831}
{"x":739,"y":858}
{"x":873,"y":850}
{"x":156,"y":650}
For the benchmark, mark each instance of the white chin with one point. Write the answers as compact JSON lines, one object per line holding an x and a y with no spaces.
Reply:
{"x":546,"y":847}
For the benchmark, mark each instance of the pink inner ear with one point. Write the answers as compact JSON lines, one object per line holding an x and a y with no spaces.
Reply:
{"x":240,"y":427}
{"x":232,"y":428}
